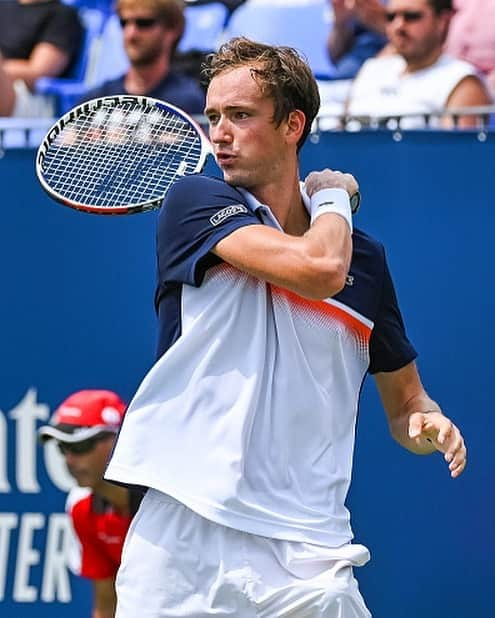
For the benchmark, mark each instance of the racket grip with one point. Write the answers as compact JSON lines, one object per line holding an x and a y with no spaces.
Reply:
{"x":355,"y":201}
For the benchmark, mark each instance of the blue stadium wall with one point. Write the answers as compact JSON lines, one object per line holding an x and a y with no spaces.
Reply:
{"x":76,"y":311}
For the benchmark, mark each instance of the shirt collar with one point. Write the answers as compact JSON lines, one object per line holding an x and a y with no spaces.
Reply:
{"x":259,"y":208}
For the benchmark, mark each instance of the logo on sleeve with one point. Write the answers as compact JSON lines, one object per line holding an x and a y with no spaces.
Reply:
{"x":227,"y":212}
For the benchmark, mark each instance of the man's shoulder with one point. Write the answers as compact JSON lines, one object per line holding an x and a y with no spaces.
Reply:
{"x":363,"y":288}
{"x":106,"y":89}
{"x":447,"y":62}
{"x":364,"y":240}
{"x":368,"y":253}
{"x":182,"y":90}
{"x":60,"y":8}
{"x":181,"y":78}
{"x":204,"y":186}
{"x":49,"y":8}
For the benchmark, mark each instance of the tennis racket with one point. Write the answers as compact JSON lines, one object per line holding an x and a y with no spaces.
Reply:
{"x":119,"y":154}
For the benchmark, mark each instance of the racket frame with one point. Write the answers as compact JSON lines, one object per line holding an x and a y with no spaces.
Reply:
{"x":112,"y":102}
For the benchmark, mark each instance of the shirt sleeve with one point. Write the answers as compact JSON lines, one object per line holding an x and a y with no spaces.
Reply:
{"x":390,"y":349}
{"x":196,"y":214}
{"x":63,"y":30}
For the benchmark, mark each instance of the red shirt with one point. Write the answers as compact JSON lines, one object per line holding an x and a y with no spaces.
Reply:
{"x":100,"y":531}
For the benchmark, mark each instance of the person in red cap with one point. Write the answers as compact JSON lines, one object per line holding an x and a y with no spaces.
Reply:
{"x":85,"y":426}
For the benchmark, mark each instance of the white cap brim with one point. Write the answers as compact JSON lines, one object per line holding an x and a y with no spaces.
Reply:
{"x":78,"y":435}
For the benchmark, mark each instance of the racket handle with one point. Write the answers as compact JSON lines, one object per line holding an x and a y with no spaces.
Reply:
{"x":355,"y":202}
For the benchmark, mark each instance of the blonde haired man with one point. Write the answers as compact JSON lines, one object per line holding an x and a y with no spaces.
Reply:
{"x":151,"y":31}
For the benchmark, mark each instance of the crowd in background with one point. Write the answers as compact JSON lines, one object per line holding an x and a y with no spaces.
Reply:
{"x":395,"y":57}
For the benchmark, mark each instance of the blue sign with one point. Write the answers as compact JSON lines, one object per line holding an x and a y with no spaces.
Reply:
{"x":76,"y":311}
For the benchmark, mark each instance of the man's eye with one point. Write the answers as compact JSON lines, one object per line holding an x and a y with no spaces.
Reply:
{"x":241,"y":115}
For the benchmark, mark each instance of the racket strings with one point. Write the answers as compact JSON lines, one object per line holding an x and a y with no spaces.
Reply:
{"x":122,"y":155}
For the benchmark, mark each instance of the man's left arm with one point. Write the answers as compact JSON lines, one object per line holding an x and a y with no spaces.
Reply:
{"x":416,"y":421}
{"x":105,"y":600}
{"x":57,"y":43}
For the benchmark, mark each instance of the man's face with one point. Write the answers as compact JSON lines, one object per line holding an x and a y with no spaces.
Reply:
{"x":249,"y":148}
{"x":89,"y":466}
{"x":145,"y":36}
{"x":414,"y":29}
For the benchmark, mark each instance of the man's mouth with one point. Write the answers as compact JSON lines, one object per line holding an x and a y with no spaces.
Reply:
{"x":224,"y":158}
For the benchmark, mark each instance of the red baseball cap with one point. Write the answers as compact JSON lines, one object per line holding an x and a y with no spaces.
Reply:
{"x":83,"y":415}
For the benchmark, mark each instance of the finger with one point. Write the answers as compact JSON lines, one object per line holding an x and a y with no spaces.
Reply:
{"x":459,"y":469}
{"x":454,"y":445}
{"x":445,"y":432}
{"x":416,"y":424}
{"x":458,"y":463}
{"x":457,"y":455}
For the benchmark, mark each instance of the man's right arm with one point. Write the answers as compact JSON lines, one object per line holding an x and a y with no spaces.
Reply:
{"x":313,"y":265}
{"x":369,"y":13}
{"x":307,"y":265}
{"x":341,"y":35}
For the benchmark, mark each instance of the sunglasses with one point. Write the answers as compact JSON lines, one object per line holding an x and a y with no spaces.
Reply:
{"x":80,"y":448}
{"x":407,"y":16}
{"x":141,"y":23}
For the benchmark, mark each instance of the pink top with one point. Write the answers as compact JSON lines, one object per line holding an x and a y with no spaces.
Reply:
{"x":472,"y":33}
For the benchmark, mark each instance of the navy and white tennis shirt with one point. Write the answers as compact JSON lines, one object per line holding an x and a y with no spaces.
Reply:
{"x":248,"y":415}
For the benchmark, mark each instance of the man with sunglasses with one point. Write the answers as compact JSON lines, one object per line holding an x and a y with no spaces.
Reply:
{"x":151,"y":31}
{"x":84,"y":427}
{"x":418,"y":79}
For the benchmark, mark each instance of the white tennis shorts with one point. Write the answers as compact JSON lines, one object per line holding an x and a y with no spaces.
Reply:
{"x":177,"y":564}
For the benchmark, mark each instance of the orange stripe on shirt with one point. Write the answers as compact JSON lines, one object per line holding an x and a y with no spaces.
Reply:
{"x":362,"y":331}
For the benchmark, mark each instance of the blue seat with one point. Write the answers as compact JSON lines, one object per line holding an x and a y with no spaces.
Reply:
{"x":204,"y":26}
{"x":111,"y":60}
{"x":302,"y":24}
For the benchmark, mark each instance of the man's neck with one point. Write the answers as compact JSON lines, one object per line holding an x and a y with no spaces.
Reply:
{"x":418,"y":64}
{"x":142,"y":79}
{"x":117,"y":496}
{"x":285,"y":202}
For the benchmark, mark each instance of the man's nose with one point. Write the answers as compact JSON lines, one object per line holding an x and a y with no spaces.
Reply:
{"x":221,"y":132}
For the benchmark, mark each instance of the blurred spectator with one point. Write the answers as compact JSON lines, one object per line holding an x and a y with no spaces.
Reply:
{"x":472,"y":36}
{"x":357,"y":33}
{"x":418,"y":78}
{"x":7,"y":92}
{"x":151,"y":30}
{"x":84,"y":427}
{"x":37,"y":38}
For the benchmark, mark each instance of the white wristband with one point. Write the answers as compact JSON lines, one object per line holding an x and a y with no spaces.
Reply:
{"x":334,"y":200}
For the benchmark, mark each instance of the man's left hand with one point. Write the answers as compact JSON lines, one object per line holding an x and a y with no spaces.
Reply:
{"x":441,"y":432}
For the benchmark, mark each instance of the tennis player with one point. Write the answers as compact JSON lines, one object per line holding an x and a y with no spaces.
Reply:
{"x":84,"y":426}
{"x":243,"y":431}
